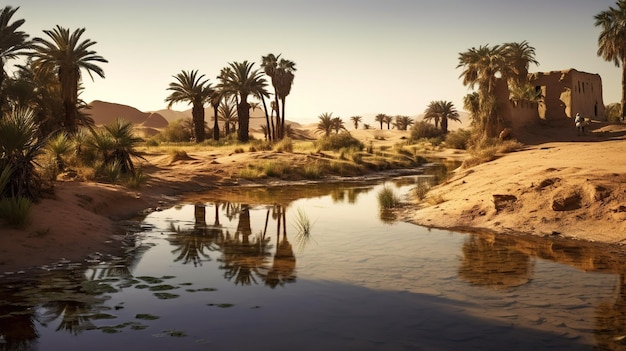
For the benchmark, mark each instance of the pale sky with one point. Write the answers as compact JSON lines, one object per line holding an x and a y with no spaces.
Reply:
{"x":353,"y":57}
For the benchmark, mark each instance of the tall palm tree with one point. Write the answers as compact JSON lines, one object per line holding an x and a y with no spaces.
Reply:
{"x":325,"y":124}
{"x":356,"y":120}
{"x":67,"y":55}
{"x":443,"y":111}
{"x":481,"y":68}
{"x":611,"y":43}
{"x":12,"y":43}
{"x":240,"y":79}
{"x":380,"y":118}
{"x":269,"y":63}
{"x":191,"y":88}
{"x":284,"y":78}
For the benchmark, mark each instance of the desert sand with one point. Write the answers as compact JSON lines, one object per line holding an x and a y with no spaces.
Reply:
{"x":560,"y":184}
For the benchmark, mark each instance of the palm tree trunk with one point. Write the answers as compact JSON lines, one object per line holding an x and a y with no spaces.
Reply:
{"x":277,"y":129}
{"x":243,"y":111}
{"x":282,"y":122}
{"x":267,"y":119}
{"x":197,"y":114}
{"x":216,"y":124}
{"x":623,"y":88}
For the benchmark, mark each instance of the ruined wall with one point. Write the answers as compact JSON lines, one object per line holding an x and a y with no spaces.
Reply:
{"x":515,"y":114}
{"x":567,"y":93}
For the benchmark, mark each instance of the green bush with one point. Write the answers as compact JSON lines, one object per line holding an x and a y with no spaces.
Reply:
{"x":458,"y":139}
{"x":338,"y":141}
{"x":423,"y":130}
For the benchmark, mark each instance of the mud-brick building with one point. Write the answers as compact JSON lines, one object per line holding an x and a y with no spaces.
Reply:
{"x":564,"y":93}
{"x":568,"y":92}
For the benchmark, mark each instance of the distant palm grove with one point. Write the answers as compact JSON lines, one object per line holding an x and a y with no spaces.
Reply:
{"x":41,"y":112}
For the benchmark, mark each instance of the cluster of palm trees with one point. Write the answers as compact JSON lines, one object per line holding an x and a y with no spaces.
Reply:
{"x":486,"y":67}
{"x":41,"y":111}
{"x":236,"y":83}
{"x":41,"y":98}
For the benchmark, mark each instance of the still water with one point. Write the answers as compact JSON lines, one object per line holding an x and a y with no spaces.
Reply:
{"x":319,"y":268}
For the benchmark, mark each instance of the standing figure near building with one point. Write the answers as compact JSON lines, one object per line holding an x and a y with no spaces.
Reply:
{"x":580,"y":124}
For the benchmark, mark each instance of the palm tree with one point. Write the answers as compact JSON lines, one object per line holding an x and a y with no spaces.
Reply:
{"x":240,"y":79}
{"x":228,"y":116}
{"x":471,"y":104}
{"x":215,"y":100}
{"x":356,"y":120}
{"x":284,"y":78}
{"x":381,"y":118}
{"x":442,"y":111}
{"x":12,"y":42}
{"x":269,"y":64}
{"x":611,"y":43}
{"x":338,"y":124}
{"x":387,"y":120}
{"x":403,"y":122}
{"x":481,"y":67}
{"x":67,"y":55}
{"x":518,"y":57}
{"x":325,"y":125}
{"x":191,"y":88}
{"x":484,"y":67}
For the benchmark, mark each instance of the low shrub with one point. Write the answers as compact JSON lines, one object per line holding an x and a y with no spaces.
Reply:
{"x":458,"y":139}
{"x":338,"y":141}
{"x":423,"y":130}
{"x":15,"y":211}
{"x":387,"y":198}
{"x":285,"y":145}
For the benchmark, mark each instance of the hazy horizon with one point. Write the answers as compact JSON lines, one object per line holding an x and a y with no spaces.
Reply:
{"x":352,"y":57}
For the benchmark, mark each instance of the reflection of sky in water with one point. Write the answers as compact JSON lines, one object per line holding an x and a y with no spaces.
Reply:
{"x":352,"y":283}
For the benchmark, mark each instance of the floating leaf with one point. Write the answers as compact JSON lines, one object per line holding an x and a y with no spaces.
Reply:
{"x":103,"y":316}
{"x":162,"y":287}
{"x":151,"y":280}
{"x":165,"y":296}
{"x":203,"y":289}
{"x":147,"y":316}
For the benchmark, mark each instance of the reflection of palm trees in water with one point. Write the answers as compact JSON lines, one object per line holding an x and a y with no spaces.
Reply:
{"x":244,"y":259}
{"x":610,"y":331}
{"x":75,"y":315}
{"x":191,"y":243}
{"x":490,"y":262}
{"x":17,"y":326}
{"x":284,"y":264}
